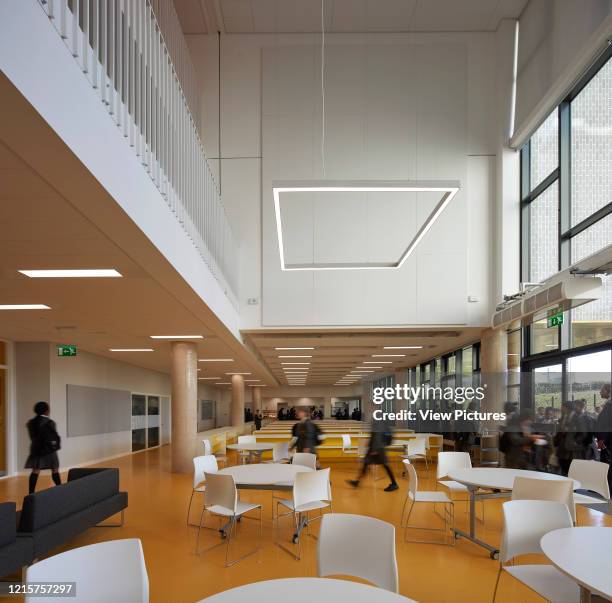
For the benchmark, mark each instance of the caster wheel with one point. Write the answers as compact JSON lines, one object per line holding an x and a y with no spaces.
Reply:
{"x":223,"y":534}
{"x":295,"y":539}
{"x":494,"y":555}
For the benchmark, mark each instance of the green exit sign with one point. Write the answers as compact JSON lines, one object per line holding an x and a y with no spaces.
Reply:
{"x":66,"y":350}
{"x":555,"y":320}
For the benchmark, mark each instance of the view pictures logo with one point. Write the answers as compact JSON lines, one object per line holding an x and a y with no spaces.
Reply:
{"x":459,"y":395}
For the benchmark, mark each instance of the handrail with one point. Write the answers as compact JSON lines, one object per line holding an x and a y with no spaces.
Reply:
{"x":120,"y":48}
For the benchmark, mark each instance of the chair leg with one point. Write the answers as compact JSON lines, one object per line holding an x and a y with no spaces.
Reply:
{"x":408,"y":521}
{"x":403,"y":512}
{"x":497,"y":582}
{"x":189,"y":507}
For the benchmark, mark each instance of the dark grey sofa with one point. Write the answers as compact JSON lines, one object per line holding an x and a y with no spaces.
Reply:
{"x":15,"y":551}
{"x":52,"y":517}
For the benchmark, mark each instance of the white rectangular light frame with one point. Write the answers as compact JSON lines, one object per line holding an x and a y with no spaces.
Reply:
{"x":449,"y":188}
{"x":69,"y":273}
{"x":24,"y":307}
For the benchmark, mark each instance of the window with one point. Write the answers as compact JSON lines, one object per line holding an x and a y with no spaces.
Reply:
{"x":566,"y":195}
{"x":591,"y":146}
{"x":544,"y":150}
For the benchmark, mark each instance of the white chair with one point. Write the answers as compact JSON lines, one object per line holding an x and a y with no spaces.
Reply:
{"x":245,"y":455}
{"x":593,"y":476}
{"x":201,"y":466}
{"x":415,"y":497}
{"x":306,"y":459}
{"x":221,"y":458}
{"x":559,"y":490}
{"x":114,"y":570}
{"x":222,"y":500}
{"x":447,"y":461}
{"x":347,"y":445}
{"x":359,"y":546}
{"x":525,"y":523}
{"x":311,"y":492}
{"x":417,"y":449}
{"x":280,"y":453}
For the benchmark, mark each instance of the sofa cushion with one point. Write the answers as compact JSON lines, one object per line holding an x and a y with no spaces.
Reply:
{"x":8,"y":523}
{"x":49,"y":537}
{"x":16,"y":555}
{"x":49,"y":506}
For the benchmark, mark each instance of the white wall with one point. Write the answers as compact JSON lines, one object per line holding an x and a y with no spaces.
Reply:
{"x":97,"y":371}
{"x":558,"y":40}
{"x":430,"y":113}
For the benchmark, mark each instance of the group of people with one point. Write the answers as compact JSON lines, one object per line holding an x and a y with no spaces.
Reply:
{"x":293,"y":413}
{"x":342,"y":414}
{"x":550,"y":440}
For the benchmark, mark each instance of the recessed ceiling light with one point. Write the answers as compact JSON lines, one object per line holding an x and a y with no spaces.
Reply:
{"x":448,"y":188}
{"x":259,"y":385}
{"x":388,"y":355}
{"x":177,"y":337}
{"x":238,"y":373}
{"x":251,"y":380}
{"x":378,"y":362}
{"x":104,"y":273}
{"x":295,"y":356}
{"x":208,"y":378}
{"x":403,"y":347}
{"x":215,"y":360}
{"x":294,"y":348}
{"x":368,"y":367}
{"x":24,"y":307}
{"x":295,"y":363}
{"x":223,"y":383}
{"x":131,"y":350}
{"x":357,"y":372}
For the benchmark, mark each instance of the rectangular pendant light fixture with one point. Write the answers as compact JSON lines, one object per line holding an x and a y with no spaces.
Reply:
{"x":448,"y":188}
{"x":95,"y":273}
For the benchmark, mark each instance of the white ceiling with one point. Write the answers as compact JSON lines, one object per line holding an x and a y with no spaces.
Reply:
{"x":344,"y":16}
{"x":40,"y":229}
{"x":338,"y":352}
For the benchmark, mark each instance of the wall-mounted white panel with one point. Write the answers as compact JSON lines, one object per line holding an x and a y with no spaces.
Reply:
{"x":393,"y":111}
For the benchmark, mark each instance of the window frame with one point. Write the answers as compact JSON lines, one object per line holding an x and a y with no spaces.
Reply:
{"x":561,"y":176}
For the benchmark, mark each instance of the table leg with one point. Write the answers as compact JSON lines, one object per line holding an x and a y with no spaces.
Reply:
{"x":493,"y":551}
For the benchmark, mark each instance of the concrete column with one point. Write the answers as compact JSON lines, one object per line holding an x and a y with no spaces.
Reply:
{"x":256,"y":398}
{"x":327,"y":407}
{"x":184,"y":373}
{"x":493,"y":364}
{"x":237,"y":402}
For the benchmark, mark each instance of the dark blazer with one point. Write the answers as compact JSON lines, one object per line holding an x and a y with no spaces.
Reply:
{"x":307,"y":435}
{"x":43,"y":435}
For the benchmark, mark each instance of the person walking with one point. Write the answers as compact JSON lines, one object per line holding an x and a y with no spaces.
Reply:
{"x":258,"y":419}
{"x":603,"y":429}
{"x":380,"y":437}
{"x":45,"y":442}
{"x":305,"y":433}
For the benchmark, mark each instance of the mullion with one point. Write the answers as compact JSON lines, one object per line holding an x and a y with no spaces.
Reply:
{"x":587,"y":222}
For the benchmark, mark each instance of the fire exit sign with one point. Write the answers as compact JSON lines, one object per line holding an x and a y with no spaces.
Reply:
{"x":66,"y":350}
{"x":555,"y":320}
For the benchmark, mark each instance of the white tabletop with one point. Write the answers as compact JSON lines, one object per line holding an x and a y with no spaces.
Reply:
{"x":583,"y":554}
{"x":251,"y":446}
{"x":306,"y":590}
{"x":264,"y":474}
{"x":498,"y":478}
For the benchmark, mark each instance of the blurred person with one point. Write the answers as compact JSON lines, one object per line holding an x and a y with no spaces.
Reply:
{"x":564,"y":438}
{"x":519,"y":441}
{"x":381,"y":436}
{"x":603,"y":429}
{"x":45,"y":442}
{"x":258,"y":419}
{"x":305,"y":433}
{"x":583,"y":429}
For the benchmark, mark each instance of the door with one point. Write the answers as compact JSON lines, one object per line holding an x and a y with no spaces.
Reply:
{"x":139,"y":422}
{"x":153,"y":416}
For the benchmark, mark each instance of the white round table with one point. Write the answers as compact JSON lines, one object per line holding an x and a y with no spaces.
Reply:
{"x":492,"y":478}
{"x":264,"y":476}
{"x":585,"y":555}
{"x":306,"y":590}
{"x":499,"y":478}
{"x":253,"y":448}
